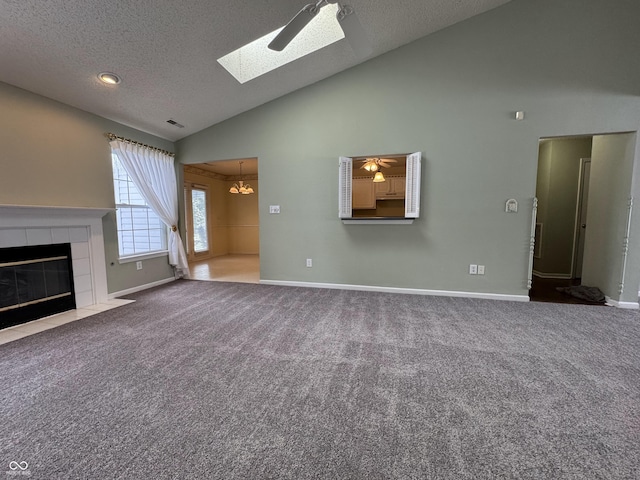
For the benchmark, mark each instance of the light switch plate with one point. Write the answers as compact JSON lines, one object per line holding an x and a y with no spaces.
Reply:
{"x":274,"y":208}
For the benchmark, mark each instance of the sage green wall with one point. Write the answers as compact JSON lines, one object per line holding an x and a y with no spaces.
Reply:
{"x":557,"y":192}
{"x":53,"y":154}
{"x":607,"y":214}
{"x":570,"y":65}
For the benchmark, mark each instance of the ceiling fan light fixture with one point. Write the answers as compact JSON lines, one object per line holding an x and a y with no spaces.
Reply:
{"x":294,"y":27}
{"x":256,"y":58}
{"x":354,"y":32}
{"x":379,"y":177}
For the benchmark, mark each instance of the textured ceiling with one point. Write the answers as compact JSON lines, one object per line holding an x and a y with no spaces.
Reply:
{"x":231,"y":168}
{"x":166,"y":52}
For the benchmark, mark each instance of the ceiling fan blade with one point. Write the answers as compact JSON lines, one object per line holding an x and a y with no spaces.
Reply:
{"x":353,"y":31}
{"x":294,"y":27}
{"x":388,"y":160}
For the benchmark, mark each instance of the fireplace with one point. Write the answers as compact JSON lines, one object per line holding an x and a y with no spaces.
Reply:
{"x":35,"y":282}
{"x":77,"y":230}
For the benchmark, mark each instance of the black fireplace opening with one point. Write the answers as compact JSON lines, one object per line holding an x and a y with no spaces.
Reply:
{"x":35,"y":282}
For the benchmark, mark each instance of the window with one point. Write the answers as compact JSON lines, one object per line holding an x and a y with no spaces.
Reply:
{"x":195,"y":197}
{"x":395,"y":199}
{"x":140,"y":230}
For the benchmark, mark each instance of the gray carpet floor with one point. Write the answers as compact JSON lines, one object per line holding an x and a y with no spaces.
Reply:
{"x":241,"y":381}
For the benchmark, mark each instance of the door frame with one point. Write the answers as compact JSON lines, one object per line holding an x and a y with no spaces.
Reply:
{"x":192,"y":255}
{"x":579,"y":232}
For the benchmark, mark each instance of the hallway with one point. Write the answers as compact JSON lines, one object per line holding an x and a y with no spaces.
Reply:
{"x":545,"y":290}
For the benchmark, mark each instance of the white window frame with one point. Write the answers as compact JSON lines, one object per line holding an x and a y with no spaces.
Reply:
{"x":345,"y":188}
{"x":142,"y":254}
{"x":412,"y":190}
{"x":192,"y":254}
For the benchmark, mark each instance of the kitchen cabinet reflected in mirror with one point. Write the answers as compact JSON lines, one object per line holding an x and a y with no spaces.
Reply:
{"x":379,"y":186}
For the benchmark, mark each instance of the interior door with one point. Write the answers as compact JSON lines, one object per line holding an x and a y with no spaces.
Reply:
{"x":197,"y":224}
{"x":581,"y":227}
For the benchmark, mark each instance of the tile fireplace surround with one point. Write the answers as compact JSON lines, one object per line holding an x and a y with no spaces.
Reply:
{"x":22,"y":225}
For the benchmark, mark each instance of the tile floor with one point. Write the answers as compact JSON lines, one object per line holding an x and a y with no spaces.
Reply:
{"x":26,"y":329}
{"x":228,"y":268}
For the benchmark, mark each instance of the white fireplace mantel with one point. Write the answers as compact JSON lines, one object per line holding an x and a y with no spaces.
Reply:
{"x":23,"y":225}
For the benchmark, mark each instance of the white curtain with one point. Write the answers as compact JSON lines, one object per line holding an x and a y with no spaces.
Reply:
{"x":153,"y":172}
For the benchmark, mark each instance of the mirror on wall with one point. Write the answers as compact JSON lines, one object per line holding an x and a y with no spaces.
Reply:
{"x":380,"y":186}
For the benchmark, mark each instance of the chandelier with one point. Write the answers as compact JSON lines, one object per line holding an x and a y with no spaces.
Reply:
{"x":241,"y":187}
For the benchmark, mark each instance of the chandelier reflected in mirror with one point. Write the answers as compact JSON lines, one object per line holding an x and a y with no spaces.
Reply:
{"x":241,"y":187}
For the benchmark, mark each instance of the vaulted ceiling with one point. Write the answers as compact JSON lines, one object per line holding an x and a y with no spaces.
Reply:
{"x":166,"y":53}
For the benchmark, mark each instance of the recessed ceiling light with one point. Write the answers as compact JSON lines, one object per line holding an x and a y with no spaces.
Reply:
{"x":109,"y":78}
{"x":255,"y":59}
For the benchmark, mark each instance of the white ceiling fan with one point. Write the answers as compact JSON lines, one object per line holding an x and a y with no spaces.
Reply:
{"x":374,"y":164}
{"x":347,"y":18}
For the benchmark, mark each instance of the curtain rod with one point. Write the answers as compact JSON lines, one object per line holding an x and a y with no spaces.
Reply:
{"x":112,"y":136}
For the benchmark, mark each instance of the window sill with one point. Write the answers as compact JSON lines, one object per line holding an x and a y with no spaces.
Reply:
{"x":377,"y":221}
{"x":145,"y":256}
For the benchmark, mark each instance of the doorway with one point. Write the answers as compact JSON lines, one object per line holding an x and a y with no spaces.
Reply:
{"x":569,"y":249}
{"x":231,"y":217}
{"x":562,"y":189}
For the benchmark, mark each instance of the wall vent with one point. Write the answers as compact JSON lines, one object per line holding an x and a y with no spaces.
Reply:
{"x":173,"y":122}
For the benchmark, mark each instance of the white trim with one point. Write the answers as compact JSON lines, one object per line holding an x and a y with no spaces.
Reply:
{"x":39,"y":217}
{"x":532,"y":241}
{"x":59,"y":216}
{"x":625,"y":245}
{"x":624,"y":305}
{"x":577,"y":225}
{"x":410,"y":291}
{"x":561,"y":276}
{"x":143,"y":256}
{"x":412,"y":186}
{"x":139,"y":288}
{"x":377,"y":221}
{"x":345,"y":187}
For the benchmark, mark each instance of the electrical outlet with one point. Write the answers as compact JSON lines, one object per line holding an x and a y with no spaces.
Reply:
{"x":138,"y":265}
{"x":480,"y":269}
{"x":473,"y":269}
{"x":274,"y":208}
{"x":309,"y":263}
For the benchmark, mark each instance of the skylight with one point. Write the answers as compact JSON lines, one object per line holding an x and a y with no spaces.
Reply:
{"x":255,"y":59}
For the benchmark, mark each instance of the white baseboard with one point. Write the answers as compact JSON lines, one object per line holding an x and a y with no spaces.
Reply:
{"x":560,"y":276}
{"x":139,"y":288}
{"x":624,"y":305}
{"x":410,"y":291}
